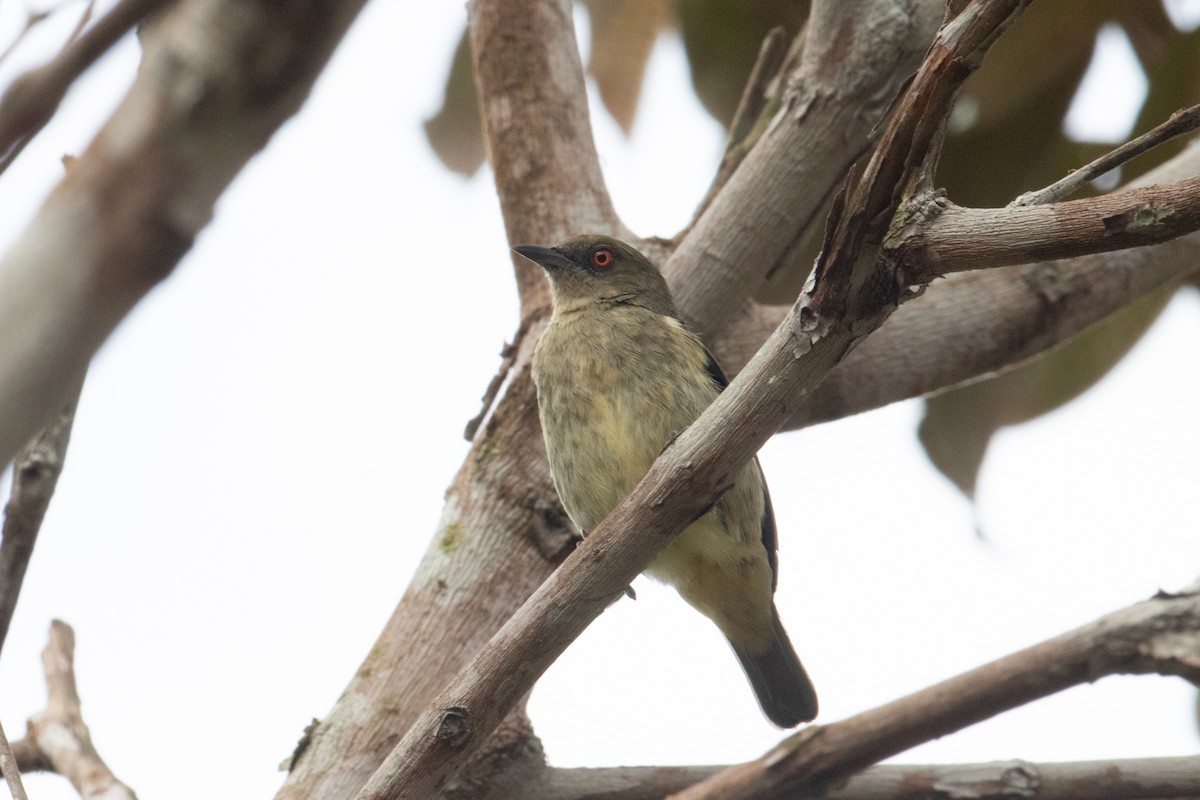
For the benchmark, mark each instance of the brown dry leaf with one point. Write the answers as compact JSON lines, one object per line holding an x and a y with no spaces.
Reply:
{"x":958,"y":424}
{"x":623,"y":36}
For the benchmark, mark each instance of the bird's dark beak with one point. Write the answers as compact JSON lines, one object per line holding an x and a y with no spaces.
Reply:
{"x":545,"y":257}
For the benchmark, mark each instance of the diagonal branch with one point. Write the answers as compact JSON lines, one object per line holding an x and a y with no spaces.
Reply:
{"x":974,"y":324}
{"x":857,"y":54}
{"x":218,"y":77}
{"x":35,"y":476}
{"x":1181,"y":122}
{"x":1157,"y":636}
{"x":31,"y":100}
{"x":8,"y":766}
{"x":500,"y":509}
{"x":700,"y":463}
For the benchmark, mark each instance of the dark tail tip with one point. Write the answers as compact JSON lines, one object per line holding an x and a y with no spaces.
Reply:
{"x":783,"y":688}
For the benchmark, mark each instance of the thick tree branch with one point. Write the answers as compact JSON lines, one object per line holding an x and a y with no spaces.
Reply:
{"x":857,"y":55}
{"x":535,"y":117}
{"x":1157,"y":636}
{"x":948,"y":238}
{"x":218,"y":77}
{"x":31,"y":100}
{"x":58,"y":739}
{"x":699,"y":464}
{"x":35,"y":476}
{"x":974,"y":324}
{"x":1121,"y":779}
{"x":502,"y":530}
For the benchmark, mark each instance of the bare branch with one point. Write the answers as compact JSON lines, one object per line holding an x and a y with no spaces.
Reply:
{"x":31,"y":100}
{"x":500,"y":509}
{"x":700,"y":463}
{"x":848,"y":264}
{"x":1157,"y":636}
{"x":8,"y":765}
{"x":1121,"y":779}
{"x":1181,"y":122}
{"x":857,"y":55}
{"x":58,"y":739}
{"x":35,"y":476}
{"x":218,"y":78}
{"x":948,"y":238}
{"x":534,"y":108}
{"x":975,"y":324}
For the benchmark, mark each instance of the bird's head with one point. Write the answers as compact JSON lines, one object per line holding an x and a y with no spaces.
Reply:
{"x":600,"y":270}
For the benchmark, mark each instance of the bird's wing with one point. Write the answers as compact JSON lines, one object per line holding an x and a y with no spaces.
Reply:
{"x":769,"y":537}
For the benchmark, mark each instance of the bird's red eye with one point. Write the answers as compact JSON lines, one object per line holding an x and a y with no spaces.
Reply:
{"x":602,"y":258}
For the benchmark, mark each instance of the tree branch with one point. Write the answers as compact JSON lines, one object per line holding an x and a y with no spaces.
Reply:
{"x":1181,"y":122}
{"x":31,"y":100}
{"x":58,"y":739}
{"x":1121,"y":779}
{"x":218,"y":77}
{"x":35,"y":476}
{"x":700,"y":463}
{"x":534,"y":108}
{"x":8,"y":766}
{"x":1157,"y":636}
{"x":948,"y":238}
{"x":857,"y":55}
{"x":501,"y":510}
{"x":975,"y":324}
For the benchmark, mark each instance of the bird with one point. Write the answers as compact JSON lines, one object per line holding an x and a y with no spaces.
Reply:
{"x":618,"y":377}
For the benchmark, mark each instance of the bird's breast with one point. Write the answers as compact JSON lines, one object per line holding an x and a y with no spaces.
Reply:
{"x":613,"y":389}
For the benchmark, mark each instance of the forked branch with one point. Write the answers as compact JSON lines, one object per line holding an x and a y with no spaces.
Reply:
{"x":58,"y":740}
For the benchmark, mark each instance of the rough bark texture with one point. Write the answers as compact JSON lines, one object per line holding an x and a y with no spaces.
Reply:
{"x":502,"y":530}
{"x":1130,"y":779}
{"x":856,"y":56}
{"x":975,"y":324}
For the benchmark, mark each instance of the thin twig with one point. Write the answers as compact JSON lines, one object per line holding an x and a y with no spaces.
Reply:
{"x":508,"y":356}
{"x":8,"y":765}
{"x":31,"y":100}
{"x":35,"y":476}
{"x":1182,"y":121}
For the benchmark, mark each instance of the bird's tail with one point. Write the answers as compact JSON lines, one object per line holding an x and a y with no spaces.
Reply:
{"x":783,"y":688}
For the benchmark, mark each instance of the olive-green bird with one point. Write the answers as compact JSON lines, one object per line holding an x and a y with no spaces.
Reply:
{"x":618,"y":377}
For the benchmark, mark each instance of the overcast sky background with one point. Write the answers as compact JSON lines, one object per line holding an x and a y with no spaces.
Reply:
{"x":262,"y":448}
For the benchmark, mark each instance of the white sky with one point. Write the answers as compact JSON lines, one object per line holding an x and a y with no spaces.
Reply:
{"x":262,"y":448}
